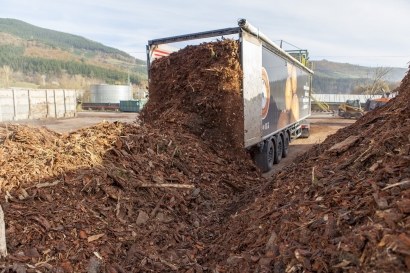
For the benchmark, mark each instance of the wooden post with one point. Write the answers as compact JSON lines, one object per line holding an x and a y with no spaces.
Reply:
{"x":47,"y":106}
{"x":14,"y":105}
{"x":3,"y":245}
{"x":55,"y":103}
{"x":30,"y":114}
{"x":65,"y":107}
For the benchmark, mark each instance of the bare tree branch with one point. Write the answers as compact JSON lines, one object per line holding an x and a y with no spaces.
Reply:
{"x":380,"y":76}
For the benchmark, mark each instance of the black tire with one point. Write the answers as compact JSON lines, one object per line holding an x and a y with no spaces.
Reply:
{"x":358,"y":115}
{"x":278,"y":150}
{"x":347,"y":115}
{"x":285,"y":145}
{"x":264,"y":159}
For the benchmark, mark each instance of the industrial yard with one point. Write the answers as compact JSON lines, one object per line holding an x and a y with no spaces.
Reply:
{"x":224,"y":168}
{"x":83,"y":119}
{"x":174,"y":189}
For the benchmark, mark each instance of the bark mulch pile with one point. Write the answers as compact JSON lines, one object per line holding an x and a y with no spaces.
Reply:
{"x":140,"y":200}
{"x":143,"y":197}
{"x":177,"y":194}
{"x":343,"y":207}
{"x":198,"y":89}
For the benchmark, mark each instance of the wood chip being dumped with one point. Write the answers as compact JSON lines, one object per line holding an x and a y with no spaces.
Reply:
{"x":323,"y":213}
{"x":141,"y":197}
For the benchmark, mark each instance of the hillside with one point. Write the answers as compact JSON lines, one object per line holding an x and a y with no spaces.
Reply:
{"x":345,"y":70}
{"x":53,"y":38}
{"x":333,"y":77}
{"x":72,"y":61}
{"x":64,"y":58}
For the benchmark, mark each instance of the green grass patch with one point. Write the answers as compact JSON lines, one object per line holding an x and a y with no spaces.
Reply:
{"x":25,"y":85}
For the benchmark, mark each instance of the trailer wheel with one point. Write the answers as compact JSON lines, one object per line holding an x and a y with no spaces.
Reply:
{"x":264,"y":159}
{"x":285,"y":145}
{"x":278,"y":150}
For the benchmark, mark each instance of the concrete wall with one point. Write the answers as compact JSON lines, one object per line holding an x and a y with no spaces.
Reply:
{"x":332,"y":107}
{"x":18,"y":104}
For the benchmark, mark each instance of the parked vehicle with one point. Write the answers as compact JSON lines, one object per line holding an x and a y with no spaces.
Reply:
{"x":351,"y":108}
{"x":372,"y":104}
{"x":276,"y":90}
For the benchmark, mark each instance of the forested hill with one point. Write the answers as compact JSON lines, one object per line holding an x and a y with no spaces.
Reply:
{"x":28,"y":52}
{"x":53,"y":38}
{"x":346,"y":70}
{"x":333,"y":78}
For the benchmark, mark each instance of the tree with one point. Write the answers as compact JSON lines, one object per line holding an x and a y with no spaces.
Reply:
{"x":364,"y":90}
{"x":394,"y":86}
{"x":381,"y":76}
{"x":64,"y":81}
{"x":7,"y":74}
{"x":358,"y":90}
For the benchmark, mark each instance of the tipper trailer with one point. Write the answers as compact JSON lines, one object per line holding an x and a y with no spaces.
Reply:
{"x":276,"y":89}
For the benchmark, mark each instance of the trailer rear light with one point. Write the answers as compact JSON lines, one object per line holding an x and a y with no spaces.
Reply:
{"x":305,"y":127}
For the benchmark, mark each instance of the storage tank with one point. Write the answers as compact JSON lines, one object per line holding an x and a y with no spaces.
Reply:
{"x":104,"y":93}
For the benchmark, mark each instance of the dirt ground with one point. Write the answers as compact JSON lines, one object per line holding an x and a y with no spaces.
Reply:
{"x":83,"y":120}
{"x":321,"y":125}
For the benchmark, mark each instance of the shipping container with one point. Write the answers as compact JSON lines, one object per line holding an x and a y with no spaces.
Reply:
{"x":132,"y":105}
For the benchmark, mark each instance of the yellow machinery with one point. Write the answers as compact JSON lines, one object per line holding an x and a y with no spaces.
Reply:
{"x":323,"y":105}
{"x":351,"y":109}
{"x":302,"y":56}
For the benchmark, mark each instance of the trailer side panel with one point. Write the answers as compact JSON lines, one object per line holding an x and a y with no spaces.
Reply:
{"x":288,"y":90}
{"x":251,"y":54}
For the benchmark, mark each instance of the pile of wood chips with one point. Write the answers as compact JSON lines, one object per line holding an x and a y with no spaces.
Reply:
{"x":343,"y":207}
{"x":199,"y":89}
{"x":172,"y":194}
{"x":114,"y":198}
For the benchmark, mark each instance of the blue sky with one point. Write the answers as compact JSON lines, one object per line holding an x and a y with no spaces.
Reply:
{"x":363,"y":32}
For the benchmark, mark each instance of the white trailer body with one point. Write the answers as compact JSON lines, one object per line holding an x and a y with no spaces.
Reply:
{"x":276,"y":90}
